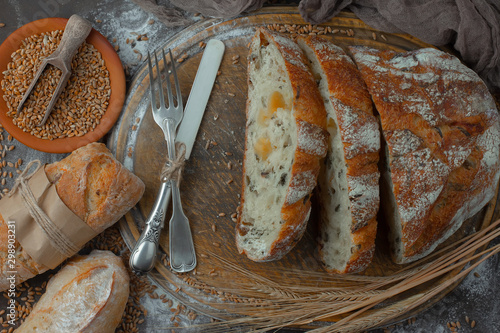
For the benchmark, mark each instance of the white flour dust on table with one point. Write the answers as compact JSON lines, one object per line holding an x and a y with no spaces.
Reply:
{"x":132,"y":32}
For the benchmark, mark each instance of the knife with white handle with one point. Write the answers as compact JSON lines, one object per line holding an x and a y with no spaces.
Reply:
{"x":143,"y":256}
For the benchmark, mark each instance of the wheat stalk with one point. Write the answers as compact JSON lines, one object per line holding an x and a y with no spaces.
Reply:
{"x":351,"y":298}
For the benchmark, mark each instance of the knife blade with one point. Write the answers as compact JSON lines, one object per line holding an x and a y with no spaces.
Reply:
{"x":200,"y":92}
{"x":143,"y":256}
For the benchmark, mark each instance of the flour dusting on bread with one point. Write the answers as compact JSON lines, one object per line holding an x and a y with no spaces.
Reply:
{"x":441,"y":127}
{"x":348,"y":181}
{"x":88,"y":294}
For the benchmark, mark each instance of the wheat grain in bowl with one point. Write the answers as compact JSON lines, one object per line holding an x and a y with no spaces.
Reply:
{"x":81,"y":104}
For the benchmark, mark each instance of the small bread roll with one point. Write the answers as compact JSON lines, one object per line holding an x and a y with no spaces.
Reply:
{"x":94,"y":186}
{"x":89,"y":294}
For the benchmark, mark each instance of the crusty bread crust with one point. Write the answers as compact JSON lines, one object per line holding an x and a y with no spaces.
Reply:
{"x":310,"y":119}
{"x":349,"y":108}
{"x":88,"y":294}
{"x":92,"y":184}
{"x":95,"y":186}
{"x":442,"y":130}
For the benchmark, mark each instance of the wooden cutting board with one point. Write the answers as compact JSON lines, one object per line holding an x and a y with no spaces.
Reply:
{"x":212,"y":177}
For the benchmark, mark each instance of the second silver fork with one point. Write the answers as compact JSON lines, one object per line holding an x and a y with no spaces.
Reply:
{"x":181,"y":247}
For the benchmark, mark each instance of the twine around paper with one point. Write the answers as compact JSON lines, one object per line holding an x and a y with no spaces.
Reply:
{"x":172,"y":169}
{"x":57,"y":239}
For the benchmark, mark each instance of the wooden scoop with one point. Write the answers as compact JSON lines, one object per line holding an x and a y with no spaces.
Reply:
{"x":76,"y":31}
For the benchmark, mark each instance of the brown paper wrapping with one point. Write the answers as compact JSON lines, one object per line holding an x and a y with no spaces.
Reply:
{"x":30,"y":235}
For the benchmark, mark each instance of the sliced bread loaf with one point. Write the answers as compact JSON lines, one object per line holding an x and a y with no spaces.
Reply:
{"x":442,"y":133}
{"x":285,"y":139}
{"x":348,"y":181}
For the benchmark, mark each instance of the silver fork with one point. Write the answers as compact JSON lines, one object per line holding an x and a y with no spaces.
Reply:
{"x":181,"y":247}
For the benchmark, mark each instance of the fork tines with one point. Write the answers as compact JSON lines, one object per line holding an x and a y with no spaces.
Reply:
{"x":159,"y":81}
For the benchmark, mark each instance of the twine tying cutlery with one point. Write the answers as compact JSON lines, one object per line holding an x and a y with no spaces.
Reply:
{"x":172,"y":169}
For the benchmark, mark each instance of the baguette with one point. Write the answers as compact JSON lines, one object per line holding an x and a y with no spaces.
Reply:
{"x":88,"y":294}
{"x":348,"y":182}
{"x":441,"y":130}
{"x":285,"y":140}
{"x":92,"y":184}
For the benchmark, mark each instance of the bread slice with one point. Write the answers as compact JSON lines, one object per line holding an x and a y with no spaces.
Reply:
{"x":88,"y":294}
{"x":285,"y":139}
{"x":348,"y":181}
{"x":442,"y":133}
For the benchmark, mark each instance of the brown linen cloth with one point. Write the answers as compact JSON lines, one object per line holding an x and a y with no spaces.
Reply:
{"x":472,"y":27}
{"x":210,"y":8}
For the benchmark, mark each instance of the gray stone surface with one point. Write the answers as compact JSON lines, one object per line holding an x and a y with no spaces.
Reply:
{"x":476,"y":297}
